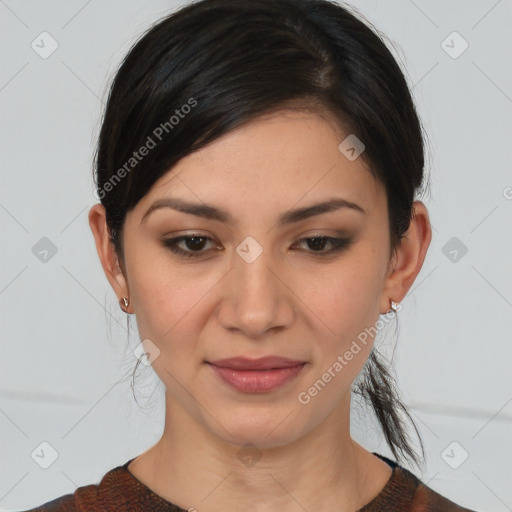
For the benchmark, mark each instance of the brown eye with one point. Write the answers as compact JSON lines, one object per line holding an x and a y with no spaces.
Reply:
{"x":191,"y":245}
{"x":318,"y":244}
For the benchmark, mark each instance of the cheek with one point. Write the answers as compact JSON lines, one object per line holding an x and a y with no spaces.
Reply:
{"x":347,"y":308}
{"x":347,"y":305}
{"x":346,"y":299}
{"x":169,"y":299}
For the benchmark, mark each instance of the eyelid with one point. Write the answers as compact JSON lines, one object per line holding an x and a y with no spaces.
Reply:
{"x":338,"y":243}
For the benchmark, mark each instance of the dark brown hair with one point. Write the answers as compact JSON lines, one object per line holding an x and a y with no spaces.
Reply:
{"x":215,"y":65}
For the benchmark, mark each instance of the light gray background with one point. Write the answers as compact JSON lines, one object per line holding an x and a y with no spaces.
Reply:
{"x":64,"y":367}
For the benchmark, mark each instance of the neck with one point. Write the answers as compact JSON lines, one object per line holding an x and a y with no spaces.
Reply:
{"x":323,"y":470}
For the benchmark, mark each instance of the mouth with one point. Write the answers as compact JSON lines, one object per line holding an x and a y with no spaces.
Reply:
{"x":256,"y":375}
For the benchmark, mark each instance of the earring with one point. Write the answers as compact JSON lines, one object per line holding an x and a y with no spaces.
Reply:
{"x":394,"y":306}
{"x":123,"y":303}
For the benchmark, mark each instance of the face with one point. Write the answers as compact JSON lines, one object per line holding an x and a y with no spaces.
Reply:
{"x":252,"y":283}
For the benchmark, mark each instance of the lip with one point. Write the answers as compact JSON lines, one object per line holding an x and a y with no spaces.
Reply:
{"x":262,"y":363}
{"x":257,"y":375}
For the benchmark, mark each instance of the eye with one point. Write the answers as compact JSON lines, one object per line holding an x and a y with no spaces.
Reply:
{"x":191,"y":246}
{"x":319,"y":242}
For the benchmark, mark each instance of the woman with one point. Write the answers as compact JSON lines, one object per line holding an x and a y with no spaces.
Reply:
{"x":257,"y":168}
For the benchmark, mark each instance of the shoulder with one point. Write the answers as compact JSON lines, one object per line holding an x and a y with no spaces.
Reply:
{"x":427,"y":500}
{"x":406,"y":492}
{"x":62,"y":504}
{"x":109,"y":494}
{"x":118,"y":491}
{"x":83,"y":499}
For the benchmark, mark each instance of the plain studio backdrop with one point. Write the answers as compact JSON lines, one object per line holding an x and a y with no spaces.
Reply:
{"x":65,"y":366}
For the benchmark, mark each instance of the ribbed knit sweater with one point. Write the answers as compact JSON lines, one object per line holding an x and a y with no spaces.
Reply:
{"x":120,"y":491}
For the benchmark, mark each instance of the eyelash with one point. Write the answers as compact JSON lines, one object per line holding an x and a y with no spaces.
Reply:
{"x":339,"y":244}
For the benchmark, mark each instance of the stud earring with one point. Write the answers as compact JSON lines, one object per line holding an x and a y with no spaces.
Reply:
{"x":123,"y":303}
{"x":394,"y":306}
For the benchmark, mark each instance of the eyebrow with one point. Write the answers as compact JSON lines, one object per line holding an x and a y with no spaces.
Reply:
{"x":215,"y":213}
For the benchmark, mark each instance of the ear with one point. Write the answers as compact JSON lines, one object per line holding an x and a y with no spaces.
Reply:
{"x":106,"y":252}
{"x":406,"y":263}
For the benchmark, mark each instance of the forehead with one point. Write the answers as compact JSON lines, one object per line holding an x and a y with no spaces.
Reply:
{"x":287,"y":158}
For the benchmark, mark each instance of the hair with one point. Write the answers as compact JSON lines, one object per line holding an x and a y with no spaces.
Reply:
{"x":215,"y":65}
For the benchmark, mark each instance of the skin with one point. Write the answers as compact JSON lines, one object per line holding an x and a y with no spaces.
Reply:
{"x":290,"y":301}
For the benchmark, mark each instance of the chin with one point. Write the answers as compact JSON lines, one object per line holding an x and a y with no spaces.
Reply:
{"x":270,"y":429}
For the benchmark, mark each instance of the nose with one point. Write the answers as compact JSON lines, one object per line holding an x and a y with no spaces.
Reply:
{"x":256,"y":298}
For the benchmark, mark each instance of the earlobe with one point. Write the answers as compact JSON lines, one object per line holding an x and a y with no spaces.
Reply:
{"x":410,"y":255}
{"x":106,"y":251}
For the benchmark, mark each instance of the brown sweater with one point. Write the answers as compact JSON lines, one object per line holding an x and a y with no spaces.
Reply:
{"x":120,"y":491}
